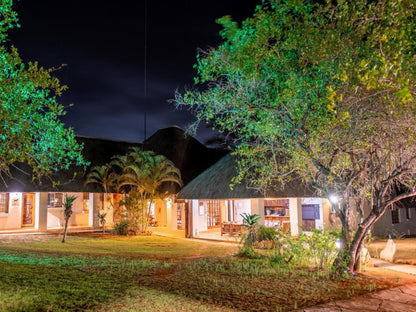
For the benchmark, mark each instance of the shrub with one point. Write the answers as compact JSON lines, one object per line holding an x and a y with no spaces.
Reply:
{"x":121,"y":227}
{"x":248,"y":252}
{"x":265,"y":233}
{"x":317,"y":248}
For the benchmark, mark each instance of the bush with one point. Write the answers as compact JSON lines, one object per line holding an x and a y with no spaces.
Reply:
{"x":121,"y":227}
{"x":316,"y":248}
{"x":265,"y":233}
{"x":248,"y":252}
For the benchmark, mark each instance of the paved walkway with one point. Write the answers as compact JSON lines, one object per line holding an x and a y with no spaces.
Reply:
{"x":398,"y":299}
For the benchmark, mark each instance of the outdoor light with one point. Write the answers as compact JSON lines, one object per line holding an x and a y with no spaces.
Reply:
{"x":333,"y":199}
{"x":338,"y":243}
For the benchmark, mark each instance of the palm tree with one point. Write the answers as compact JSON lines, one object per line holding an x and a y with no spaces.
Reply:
{"x":107,"y":179}
{"x":102,"y":175}
{"x":143,"y":172}
{"x":69,"y":200}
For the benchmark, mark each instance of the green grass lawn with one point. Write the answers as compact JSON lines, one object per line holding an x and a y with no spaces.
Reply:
{"x":109,"y":273}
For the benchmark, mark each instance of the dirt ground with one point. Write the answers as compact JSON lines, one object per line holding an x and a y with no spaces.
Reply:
{"x":405,"y":250}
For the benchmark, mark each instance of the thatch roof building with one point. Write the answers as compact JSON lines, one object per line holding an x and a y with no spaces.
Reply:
{"x":189,"y":156}
{"x":214,"y":183}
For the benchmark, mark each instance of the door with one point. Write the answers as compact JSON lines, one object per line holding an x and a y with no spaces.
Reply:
{"x":214,"y":214}
{"x":28,"y":210}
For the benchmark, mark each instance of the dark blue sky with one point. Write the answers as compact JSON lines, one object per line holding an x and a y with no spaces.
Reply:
{"x":102,"y":43}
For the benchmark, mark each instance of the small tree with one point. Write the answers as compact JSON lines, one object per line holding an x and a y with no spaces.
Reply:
{"x":69,"y":200}
{"x":250,"y":221}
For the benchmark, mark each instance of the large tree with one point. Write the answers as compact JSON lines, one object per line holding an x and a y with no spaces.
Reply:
{"x":323,"y":90}
{"x":31,"y":131}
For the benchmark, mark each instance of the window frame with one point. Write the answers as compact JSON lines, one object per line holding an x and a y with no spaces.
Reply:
{"x":53,"y":202}
{"x":4,"y":203}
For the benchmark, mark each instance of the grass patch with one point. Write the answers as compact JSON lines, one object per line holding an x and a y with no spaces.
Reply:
{"x":120,"y":246}
{"x":157,"y":274}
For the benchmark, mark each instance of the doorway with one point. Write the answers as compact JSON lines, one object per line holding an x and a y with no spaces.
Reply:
{"x":28,"y":209}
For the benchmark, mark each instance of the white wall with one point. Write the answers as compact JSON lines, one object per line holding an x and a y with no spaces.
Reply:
{"x":242,"y":206}
{"x":199,"y":217}
{"x":13,"y":219}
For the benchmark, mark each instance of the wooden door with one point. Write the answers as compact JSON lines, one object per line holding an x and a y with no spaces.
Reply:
{"x":28,"y":210}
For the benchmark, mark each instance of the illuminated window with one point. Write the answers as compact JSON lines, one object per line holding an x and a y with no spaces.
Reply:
{"x":55,"y":200}
{"x":395,"y":216}
{"x":4,"y":202}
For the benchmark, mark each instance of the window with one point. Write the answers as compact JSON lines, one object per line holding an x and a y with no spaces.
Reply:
{"x":408,"y":215}
{"x":310,"y":212}
{"x":395,"y":216}
{"x":55,"y":200}
{"x":4,"y":202}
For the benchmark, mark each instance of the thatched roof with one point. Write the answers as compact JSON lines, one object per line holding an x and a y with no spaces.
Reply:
{"x":189,"y":156}
{"x":214,"y":183}
{"x":96,"y":151}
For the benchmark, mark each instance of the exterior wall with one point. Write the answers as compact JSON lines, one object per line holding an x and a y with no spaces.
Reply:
{"x":91,"y":210}
{"x":42,"y":212}
{"x":242,"y":206}
{"x":55,"y":215}
{"x":12,"y":219}
{"x":171,"y":213}
{"x":161,"y":212}
{"x":407,"y":226}
{"x":199,"y":217}
{"x":295,"y":213}
{"x":257,"y":207}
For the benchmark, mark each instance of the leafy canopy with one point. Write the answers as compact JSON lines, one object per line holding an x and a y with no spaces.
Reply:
{"x":308,"y":86}
{"x":31,"y":131}
{"x":324,"y":90}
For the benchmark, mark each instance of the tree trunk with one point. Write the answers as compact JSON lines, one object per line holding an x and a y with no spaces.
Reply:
{"x":65,"y":229}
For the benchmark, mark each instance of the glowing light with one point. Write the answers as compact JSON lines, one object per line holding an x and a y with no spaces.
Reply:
{"x":333,"y":199}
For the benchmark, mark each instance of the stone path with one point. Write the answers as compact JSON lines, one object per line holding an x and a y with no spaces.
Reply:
{"x":398,"y":299}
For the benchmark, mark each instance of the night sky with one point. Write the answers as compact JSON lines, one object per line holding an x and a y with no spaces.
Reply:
{"x":102,"y":43}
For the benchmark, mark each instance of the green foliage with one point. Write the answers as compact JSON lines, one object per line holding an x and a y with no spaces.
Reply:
{"x":68,"y":202}
{"x":81,"y":276}
{"x":139,"y":174}
{"x":266,"y":233}
{"x":247,"y":251}
{"x":121,"y":227}
{"x":321,"y":93}
{"x":31,"y":130}
{"x":316,"y":249}
{"x":250,"y":221}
